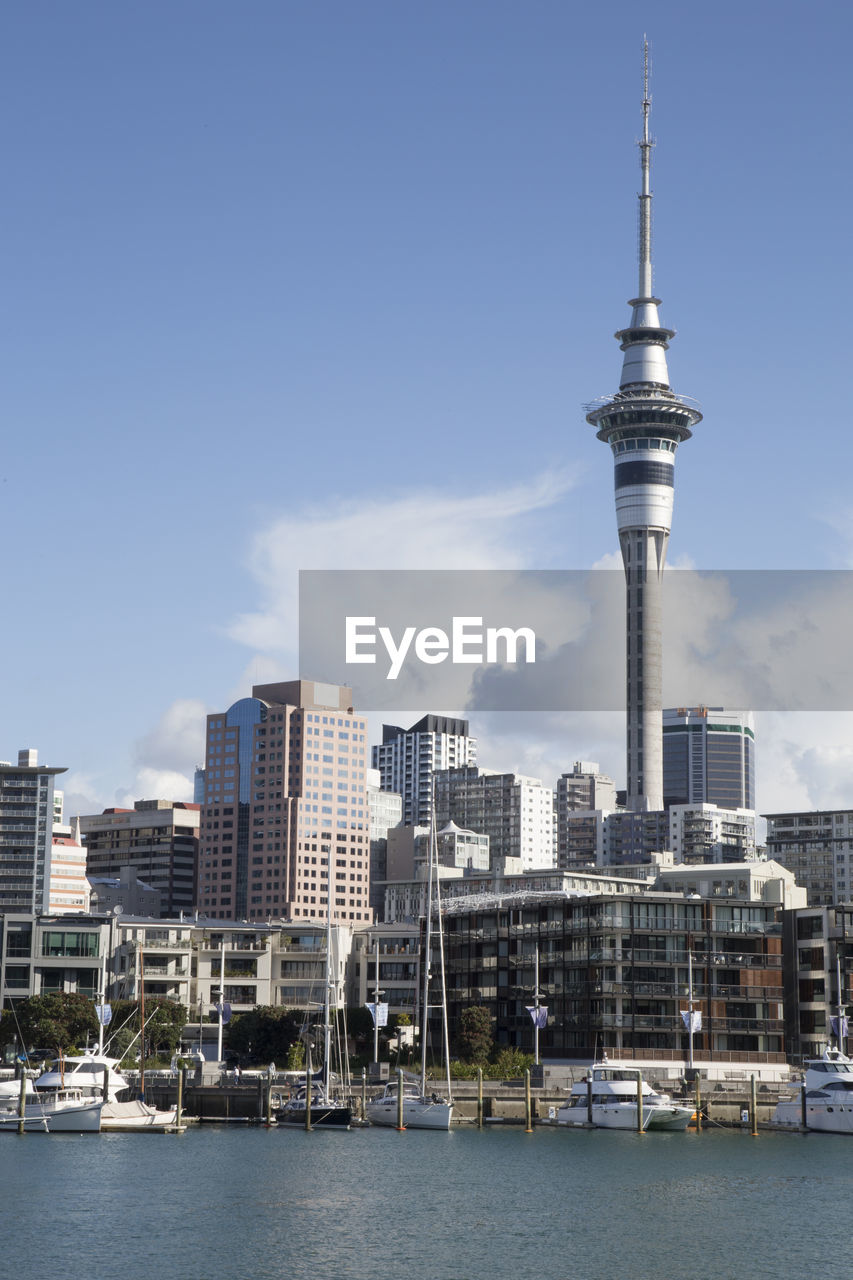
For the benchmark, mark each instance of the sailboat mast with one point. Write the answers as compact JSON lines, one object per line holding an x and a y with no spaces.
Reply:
{"x":102,"y":1000}
{"x":427,"y":946}
{"x":690,"y":1005}
{"x":376,"y":999}
{"x":536,"y":1009}
{"x":444,"y":1028}
{"x":327,"y":1028}
{"x":840,"y":1036}
{"x":221,"y":1005}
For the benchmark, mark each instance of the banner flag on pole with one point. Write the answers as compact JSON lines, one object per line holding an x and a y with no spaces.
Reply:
{"x":539,"y":1016}
{"x":697,"y":1019}
{"x":379,"y":1013}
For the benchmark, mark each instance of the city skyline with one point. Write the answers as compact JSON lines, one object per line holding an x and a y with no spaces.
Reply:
{"x":405,"y":237}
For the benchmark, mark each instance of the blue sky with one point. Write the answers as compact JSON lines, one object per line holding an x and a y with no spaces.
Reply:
{"x":292,"y":285}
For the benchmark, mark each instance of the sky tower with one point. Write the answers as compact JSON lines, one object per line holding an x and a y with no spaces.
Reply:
{"x":644,"y":423}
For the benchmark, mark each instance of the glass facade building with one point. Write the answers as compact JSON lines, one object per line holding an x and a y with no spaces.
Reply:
{"x":708,"y":757}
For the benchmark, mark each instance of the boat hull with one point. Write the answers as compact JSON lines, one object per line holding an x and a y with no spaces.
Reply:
{"x":418,"y":1113}
{"x":323,"y":1115}
{"x":821,"y":1117}
{"x":623,"y":1115}
{"x":78,"y":1117}
{"x":121,"y":1117}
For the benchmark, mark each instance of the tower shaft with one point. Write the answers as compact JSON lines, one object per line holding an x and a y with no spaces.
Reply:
{"x":644,"y":423}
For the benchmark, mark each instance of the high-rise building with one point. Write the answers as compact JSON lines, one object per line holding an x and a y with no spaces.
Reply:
{"x":157,"y":839}
{"x":408,"y":758}
{"x":817,"y":845}
{"x":285,"y":807}
{"x":708,"y":757}
{"x":585,"y":789}
{"x":385,"y":809}
{"x":644,"y":423}
{"x":26,"y":833}
{"x":515,"y":812}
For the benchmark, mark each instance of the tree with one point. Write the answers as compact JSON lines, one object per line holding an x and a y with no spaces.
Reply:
{"x":265,"y":1034}
{"x":164,"y":1024}
{"x":58,"y":1022}
{"x":474,"y":1039}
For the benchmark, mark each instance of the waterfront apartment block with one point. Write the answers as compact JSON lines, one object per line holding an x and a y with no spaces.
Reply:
{"x":285,"y":811}
{"x":613,"y":972}
{"x":708,"y":757}
{"x":407,"y":760}
{"x":817,"y":846}
{"x":26,"y":827}
{"x":44,"y":954}
{"x":515,"y":812}
{"x":157,"y":841}
{"x":818,"y":950}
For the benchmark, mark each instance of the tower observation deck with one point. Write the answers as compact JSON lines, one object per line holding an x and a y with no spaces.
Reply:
{"x":644,"y":423}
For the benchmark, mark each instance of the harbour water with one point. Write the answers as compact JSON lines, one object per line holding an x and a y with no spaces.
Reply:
{"x":227,"y":1203}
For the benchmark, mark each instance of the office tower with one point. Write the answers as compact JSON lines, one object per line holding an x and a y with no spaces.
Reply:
{"x":26,"y":833}
{"x":708,"y":757}
{"x":285,"y":806}
{"x":408,"y":758}
{"x":157,"y":840}
{"x":515,"y":812}
{"x":644,"y":423}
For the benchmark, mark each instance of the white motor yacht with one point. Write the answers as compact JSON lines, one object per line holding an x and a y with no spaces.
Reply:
{"x":828,"y":1084}
{"x":614,"y":1102}
{"x":86,"y":1075}
{"x":61,"y":1111}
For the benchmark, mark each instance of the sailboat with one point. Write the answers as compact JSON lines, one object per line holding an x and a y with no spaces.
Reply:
{"x":315,"y":1103}
{"x":422,"y":1109}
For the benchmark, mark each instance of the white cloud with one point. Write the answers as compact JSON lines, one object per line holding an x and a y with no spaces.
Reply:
{"x":423,"y":530}
{"x":804,"y":761}
{"x":176,"y":743}
{"x":163,"y":763}
{"x":156,"y":784}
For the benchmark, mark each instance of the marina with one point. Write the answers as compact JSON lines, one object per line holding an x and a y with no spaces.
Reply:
{"x":231,"y":1202}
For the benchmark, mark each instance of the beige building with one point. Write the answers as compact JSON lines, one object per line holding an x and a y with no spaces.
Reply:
{"x":156,"y":840}
{"x":285,"y":807}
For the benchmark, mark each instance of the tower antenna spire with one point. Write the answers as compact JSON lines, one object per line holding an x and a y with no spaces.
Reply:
{"x":645,"y":246}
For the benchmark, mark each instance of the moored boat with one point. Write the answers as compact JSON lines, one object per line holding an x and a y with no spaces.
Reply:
{"x":421,"y":1110}
{"x":61,"y":1111}
{"x":828,"y":1085}
{"x":85,"y":1074}
{"x":611,"y":1098}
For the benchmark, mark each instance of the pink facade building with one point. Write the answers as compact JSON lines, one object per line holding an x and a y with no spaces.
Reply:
{"x":285,"y":807}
